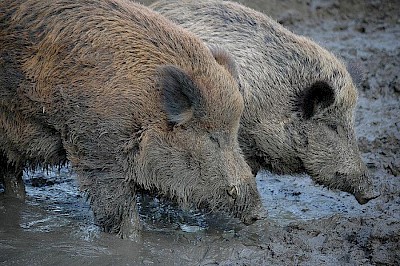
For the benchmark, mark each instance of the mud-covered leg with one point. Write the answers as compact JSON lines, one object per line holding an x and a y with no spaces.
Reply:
{"x":11,"y":177}
{"x":113,"y":201}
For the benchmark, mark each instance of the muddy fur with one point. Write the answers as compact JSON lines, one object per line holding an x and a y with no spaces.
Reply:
{"x":299,"y":98}
{"x":131,"y":100}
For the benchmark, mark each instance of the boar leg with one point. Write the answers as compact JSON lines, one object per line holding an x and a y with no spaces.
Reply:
{"x":11,"y":177}
{"x":113,"y":201}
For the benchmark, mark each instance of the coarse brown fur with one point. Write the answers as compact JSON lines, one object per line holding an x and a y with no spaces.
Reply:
{"x":130,"y":99}
{"x":299,"y":98}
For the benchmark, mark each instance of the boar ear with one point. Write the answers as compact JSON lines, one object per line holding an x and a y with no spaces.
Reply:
{"x":356,"y":71}
{"x":315,"y":98}
{"x":180,"y":95}
{"x":224,"y":59}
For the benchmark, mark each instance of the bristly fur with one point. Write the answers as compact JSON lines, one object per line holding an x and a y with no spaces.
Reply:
{"x":80,"y":81}
{"x":299,"y":98}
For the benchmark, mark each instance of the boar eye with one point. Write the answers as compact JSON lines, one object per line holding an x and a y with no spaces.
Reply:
{"x":333,"y":127}
{"x":215,"y":140}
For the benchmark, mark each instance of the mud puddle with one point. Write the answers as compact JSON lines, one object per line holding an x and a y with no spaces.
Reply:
{"x":55,"y":225}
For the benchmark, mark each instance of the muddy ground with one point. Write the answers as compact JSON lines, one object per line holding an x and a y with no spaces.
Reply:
{"x":307,"y":224}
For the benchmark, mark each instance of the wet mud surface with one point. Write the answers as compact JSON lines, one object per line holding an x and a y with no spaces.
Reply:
{"x":307,"y":224}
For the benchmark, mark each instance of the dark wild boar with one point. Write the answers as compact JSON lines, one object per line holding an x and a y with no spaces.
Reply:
{"x":299,"y":98}
{"x":129,"y":99}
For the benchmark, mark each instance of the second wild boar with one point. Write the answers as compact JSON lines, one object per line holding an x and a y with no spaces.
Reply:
{"x":299,"y":98}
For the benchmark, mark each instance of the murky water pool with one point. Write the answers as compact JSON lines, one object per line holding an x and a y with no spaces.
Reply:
{"x":55,"y":225}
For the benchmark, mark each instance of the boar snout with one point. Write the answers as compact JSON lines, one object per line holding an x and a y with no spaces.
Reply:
{"x":247,"y":203}
{"x":361,"y":186}
{"x":255,"y":210}
{"x":364,"y":198}
{"x":365,"y":194}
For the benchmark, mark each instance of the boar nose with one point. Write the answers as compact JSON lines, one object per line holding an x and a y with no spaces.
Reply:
{"x":364,"y":197}
{"x":360,"y":184}
{"x":368,"y":190}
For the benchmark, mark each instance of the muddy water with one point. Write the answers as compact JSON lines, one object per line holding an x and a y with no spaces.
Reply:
{"x":307,"y":224}
{"x":55,"y":224}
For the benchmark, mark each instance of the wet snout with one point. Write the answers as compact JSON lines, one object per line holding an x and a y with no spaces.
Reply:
{"x":248,"y":207}
{"x":363,"y":197}
{"x":360,"y":185}
{"x":242,"y":193}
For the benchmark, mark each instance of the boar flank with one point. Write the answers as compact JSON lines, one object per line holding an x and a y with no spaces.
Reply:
{"x":129,"y":99}
{"x":299,"y":98}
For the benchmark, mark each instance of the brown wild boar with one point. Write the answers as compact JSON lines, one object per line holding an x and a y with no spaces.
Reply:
{"x":130,"y":99}
{"x":299,"y":98}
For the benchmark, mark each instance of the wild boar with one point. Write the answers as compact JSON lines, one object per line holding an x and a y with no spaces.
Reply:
{"x":299,"y":98}
{"x":129,"y":99}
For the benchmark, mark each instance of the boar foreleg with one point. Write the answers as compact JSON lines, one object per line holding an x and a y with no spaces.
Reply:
{"x":113,"y":201}
{"x":11,"y":177}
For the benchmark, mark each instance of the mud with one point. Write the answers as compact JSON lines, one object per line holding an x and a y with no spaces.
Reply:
{"x":307,"y":225}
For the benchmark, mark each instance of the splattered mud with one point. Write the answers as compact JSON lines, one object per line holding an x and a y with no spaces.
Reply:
{"x":307,"y":225}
